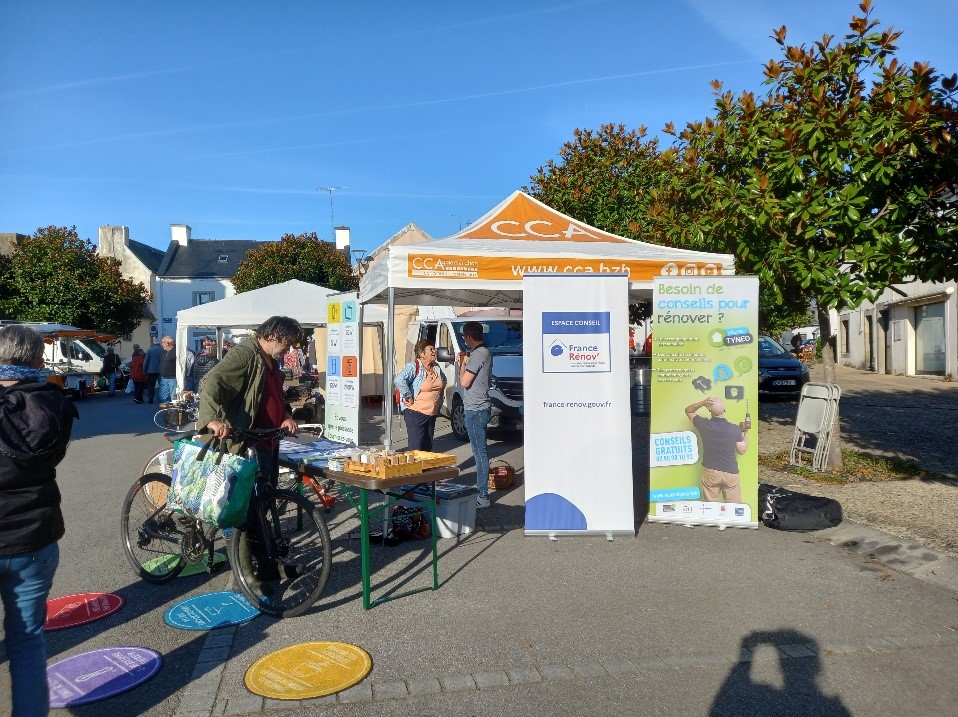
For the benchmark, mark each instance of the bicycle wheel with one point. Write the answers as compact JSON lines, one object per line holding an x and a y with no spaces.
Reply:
{"x":161,"y":462}
{"x":291,"y":584}
{"x":150,"y":532}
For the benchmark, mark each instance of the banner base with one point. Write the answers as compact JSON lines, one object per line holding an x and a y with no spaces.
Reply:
{"x":690,"y":522}
{"x":555,"y":534}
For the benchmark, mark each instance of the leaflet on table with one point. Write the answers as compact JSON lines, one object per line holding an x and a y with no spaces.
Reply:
{"x":316,"y":453}
{"x":323,"y":444}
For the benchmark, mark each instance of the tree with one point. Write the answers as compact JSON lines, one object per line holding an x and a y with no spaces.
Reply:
{"x":840,"y":181}
{"x":617,"y":180}
{"x":304,"y":257}
{"x":56,"y":276}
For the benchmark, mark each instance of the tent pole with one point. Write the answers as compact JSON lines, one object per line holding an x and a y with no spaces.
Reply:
{"x":390,"y":367}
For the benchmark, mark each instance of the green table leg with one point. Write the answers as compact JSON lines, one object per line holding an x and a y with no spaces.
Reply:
{"x":364,"y":545}
{"x":435,"y":540}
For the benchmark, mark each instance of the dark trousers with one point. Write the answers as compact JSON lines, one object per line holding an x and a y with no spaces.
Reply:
{"x":420,"y":429}
{"x":151,"y":379}
{"x":138,"y":387}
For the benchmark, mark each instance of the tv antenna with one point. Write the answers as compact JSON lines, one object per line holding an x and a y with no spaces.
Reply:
{"x":330,"y":190}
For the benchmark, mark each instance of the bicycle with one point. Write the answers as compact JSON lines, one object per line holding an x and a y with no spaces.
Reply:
{"x":173,"y":417}
{"x":280,"y":561}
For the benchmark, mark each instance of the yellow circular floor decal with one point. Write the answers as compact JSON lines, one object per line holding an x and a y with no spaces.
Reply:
{"x":312,"y":669}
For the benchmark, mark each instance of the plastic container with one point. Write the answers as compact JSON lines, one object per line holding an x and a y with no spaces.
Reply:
{"x":455,"y":509}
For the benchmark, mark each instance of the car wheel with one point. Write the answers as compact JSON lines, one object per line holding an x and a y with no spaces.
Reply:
{"x":458,"y":420}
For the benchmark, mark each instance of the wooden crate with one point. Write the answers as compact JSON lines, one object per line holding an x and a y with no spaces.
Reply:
{"x":381,"y":470}
{"x":432,"y":460}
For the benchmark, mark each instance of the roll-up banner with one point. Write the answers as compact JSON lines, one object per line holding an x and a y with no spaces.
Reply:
{"x":703,"y":448}
{"x":578,"y":439}
{"x":344,"y":320}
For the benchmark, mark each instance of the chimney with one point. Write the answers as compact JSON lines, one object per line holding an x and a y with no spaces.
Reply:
{"x":342,"y":242}
{"x":342,"y":239}
{"x":181,"y":233}
{"x":112,"y":240}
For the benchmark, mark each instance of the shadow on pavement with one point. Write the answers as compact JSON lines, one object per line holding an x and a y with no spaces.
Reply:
{"x":800,"y":664}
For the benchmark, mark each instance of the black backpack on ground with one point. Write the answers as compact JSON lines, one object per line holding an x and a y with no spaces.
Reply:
{"x":786,"y":510}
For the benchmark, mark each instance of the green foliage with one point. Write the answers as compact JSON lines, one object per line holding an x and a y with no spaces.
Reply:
{"x":55,"y":276}
{"x":840,"y":180}
{"x":304,"y":257}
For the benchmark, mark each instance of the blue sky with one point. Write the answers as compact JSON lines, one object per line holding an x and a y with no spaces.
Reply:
{"x":228,"y":116}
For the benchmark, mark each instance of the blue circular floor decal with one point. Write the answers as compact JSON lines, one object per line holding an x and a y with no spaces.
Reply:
{"x":98,"y":674}
{"x":210,"y":611}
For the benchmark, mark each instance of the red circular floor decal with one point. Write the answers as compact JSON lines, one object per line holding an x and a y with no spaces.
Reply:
{"x":73,"y":610}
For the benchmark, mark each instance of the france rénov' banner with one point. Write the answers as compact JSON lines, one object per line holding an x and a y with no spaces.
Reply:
{"x":703,"y":447}
{"x":344,"y":320}
{"x":578,"y":442}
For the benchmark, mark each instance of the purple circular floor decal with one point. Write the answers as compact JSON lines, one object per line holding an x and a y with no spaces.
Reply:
{"x":98,"y":674}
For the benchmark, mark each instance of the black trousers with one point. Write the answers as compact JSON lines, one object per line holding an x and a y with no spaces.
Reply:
{"x":420,"y":429}
{"x":151,"y":379}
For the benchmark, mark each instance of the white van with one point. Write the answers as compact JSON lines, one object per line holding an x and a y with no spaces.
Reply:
{"x":72,"y":356}
{"x":503,"y":337}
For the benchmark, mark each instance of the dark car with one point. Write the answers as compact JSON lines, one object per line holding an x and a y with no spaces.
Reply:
{"x":780,"y":373}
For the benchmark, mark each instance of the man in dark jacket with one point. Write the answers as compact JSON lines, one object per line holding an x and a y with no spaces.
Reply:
{"x":35,"y":424}
{"x":151,"y":367}
{"x":111,"y":362}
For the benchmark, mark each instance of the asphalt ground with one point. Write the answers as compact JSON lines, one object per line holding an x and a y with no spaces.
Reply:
{"x":674,"y":621}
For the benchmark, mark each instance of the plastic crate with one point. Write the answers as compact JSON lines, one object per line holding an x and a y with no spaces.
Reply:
{"x":455,"y":509}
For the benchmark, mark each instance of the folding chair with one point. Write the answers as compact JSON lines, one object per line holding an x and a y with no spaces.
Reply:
{"x":813,"y":423}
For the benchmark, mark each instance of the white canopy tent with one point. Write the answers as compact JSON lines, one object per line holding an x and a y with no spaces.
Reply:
{"x":299,"y":300}
{"x":483,"y":264}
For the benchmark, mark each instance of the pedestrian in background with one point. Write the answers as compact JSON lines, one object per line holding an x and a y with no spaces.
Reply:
{"x":111,"y":364}
{"x":189,"y":368}
{"x":35,"y":425}
{"x":475,"y":371}
{"x":137,"y":374}
{"x":166,"y":387}
{"x":151,"y":366}
{"x":421,"y":386}
{"x":205,"y":361}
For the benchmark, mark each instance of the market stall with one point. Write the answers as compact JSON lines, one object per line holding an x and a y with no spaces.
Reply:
{"x":299,"y":300}
{"x":483,"y":264}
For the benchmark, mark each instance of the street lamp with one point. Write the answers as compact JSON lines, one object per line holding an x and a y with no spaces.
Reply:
{"x":330,"y":190}
{"x":361,"y":261}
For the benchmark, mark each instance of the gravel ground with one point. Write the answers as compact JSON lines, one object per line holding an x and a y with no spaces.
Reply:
{"x":903,"y":416}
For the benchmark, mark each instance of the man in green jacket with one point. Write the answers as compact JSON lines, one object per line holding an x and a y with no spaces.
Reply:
{"x":245,"y":389}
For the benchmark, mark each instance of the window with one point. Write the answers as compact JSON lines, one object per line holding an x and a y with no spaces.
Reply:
{"x":844,"y":338}
{"x":445,"y":340}
{"x":203,"y":297}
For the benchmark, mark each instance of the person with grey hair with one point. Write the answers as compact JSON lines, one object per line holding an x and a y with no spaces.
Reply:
{"x":245,"y":390}
{"x":36,"y":421}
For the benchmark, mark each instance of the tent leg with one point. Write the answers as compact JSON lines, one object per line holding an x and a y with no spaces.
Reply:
{"x":389,"y":367}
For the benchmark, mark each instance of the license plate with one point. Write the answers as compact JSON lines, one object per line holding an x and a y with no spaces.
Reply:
{"x":784,"y":382}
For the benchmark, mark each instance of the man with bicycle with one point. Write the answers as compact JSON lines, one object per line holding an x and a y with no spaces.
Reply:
{"x":245,"y":390}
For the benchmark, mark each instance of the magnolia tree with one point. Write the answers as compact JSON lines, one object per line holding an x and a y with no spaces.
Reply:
{"x":841,"y":179}
{"x":303,"y":256}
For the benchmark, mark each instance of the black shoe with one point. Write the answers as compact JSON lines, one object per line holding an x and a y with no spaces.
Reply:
{"x":136,"y":400}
